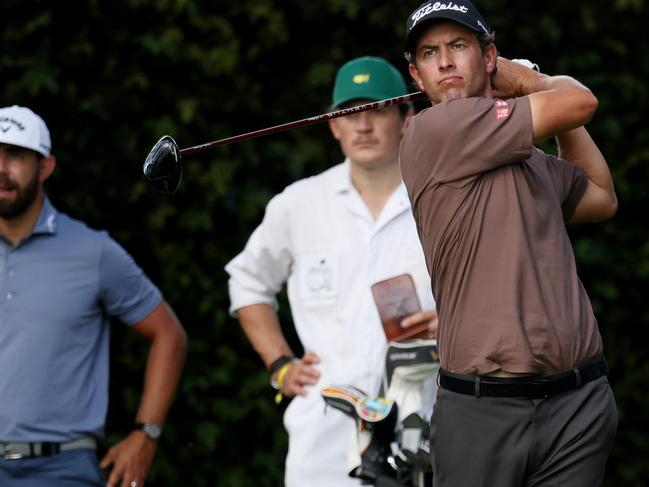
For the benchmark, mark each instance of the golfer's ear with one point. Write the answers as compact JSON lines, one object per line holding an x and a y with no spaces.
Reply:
{"x":47,"y":167}
{"x":491,"y":57}
{"x":414,"y":73}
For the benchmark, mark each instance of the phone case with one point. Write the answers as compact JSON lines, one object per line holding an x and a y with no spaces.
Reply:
{"x":395,"y":299}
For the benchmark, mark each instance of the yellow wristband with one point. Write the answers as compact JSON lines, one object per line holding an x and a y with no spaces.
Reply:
{"x":281,"y":373}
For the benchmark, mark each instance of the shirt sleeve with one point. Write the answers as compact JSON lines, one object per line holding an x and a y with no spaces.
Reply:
{"x":569,"y":180}
{"x":258,"y":273}
{"x":124,"y":290}
{"x":464,"y":138}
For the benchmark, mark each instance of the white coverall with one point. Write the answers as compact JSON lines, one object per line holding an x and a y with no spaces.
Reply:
{"x":319,"y":237}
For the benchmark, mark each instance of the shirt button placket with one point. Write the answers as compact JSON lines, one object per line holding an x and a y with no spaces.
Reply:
{"x":372,"y":259}
{"x":6,"y":271}
{"x":4,"y":255}
{"x":3,"y":267}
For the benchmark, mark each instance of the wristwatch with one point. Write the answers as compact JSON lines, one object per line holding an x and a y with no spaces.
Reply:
{"x":274,"y":368}
{"x":152,"y":430}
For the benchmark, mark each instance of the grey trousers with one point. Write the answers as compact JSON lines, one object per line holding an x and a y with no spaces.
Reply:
{"x":562,"y":441}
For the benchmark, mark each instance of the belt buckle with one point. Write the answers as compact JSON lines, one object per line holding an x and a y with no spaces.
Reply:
{"x":8,"y":455}
{"x":540,"y":389}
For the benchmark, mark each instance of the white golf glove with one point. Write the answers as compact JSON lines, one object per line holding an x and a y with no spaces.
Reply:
{"x":528,"y":63}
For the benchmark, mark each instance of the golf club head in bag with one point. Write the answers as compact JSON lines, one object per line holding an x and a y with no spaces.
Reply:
{"x":375,"y":421}
{"x":343,"y":398}
{"x":163,"y":167}
{"x":378,"y":419}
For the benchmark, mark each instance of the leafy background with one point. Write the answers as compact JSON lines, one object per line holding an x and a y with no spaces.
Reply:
{"x":111,"y":77}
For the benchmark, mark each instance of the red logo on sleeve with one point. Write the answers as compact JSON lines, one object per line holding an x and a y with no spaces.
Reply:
{"x":502,"y":110}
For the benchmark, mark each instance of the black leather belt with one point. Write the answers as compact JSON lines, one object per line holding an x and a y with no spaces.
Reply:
{"x":531,"y":387}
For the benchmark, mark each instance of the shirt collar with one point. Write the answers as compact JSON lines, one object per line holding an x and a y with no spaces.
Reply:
{"x":47,"y":220}
{"x":342,"y":182}
{"x":341,"y":179}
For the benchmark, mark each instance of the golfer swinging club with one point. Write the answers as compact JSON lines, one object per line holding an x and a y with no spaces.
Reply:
{"x":524,"y":398}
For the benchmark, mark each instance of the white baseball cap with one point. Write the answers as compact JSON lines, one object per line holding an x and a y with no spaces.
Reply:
{"x":21,"y":127}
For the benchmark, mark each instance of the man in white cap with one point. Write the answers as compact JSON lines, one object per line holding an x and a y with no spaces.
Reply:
{"x":60,"y":282}
{"x":329,"y":238}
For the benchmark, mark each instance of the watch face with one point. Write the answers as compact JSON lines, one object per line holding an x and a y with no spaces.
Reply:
{"x":153,"y":431}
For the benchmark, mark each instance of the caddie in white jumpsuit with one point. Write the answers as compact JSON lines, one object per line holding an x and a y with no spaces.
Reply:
{"x":329,"y":238}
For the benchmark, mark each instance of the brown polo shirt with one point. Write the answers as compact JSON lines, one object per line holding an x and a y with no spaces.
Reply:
{"x":491,"y":210}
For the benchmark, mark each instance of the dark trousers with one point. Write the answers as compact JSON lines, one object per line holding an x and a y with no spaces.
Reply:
{"x":72,"y":468}
{"x":562,"y":441}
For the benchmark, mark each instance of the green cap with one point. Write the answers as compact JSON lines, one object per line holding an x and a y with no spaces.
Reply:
{"x":367,"y":78}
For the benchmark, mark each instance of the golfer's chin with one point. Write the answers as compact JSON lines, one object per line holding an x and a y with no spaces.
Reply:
{"x":448,"y":94}
{"x":8,"y":210}
{"x":7,"y":200}
{"x":453,"y":94}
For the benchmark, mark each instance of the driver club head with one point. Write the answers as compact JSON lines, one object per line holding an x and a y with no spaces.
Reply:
{"x":163,"y":168}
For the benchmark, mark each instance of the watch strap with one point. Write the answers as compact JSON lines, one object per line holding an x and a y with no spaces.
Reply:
{"x":279,"y":363}
{"x":152,"y":430}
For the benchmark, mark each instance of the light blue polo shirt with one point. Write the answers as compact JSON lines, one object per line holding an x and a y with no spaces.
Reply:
{"x":58,"y":287}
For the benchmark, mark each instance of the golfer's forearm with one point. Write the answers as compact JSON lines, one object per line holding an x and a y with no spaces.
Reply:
{"x":572,"y":97}
{"x":164,"y":367}
{"x":578,"y":147}
{"x":261,"y":326}
{"x":563,"y":104}
{"x":600,"y":200}
{"x":542,"y":82}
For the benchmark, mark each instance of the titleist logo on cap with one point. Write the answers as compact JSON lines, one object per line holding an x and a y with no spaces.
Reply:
{"x":436,"y":7}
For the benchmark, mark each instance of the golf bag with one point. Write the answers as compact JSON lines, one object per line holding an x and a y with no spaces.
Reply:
{"x":391,"y":445}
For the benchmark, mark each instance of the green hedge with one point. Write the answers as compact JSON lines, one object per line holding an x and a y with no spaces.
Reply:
{"x":111,"y":77}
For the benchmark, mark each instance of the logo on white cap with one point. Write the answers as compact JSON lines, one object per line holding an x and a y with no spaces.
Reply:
{"x":21,"y":127}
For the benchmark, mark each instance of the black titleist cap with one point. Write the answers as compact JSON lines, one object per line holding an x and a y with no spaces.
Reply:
{"x":461,"y":11}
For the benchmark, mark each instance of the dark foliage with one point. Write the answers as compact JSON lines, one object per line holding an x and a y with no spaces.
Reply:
{"x":111,"y":77}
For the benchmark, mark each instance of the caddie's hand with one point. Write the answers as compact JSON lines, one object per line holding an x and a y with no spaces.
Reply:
{"x":429,"y":316}
{"x":514,"y":79}
{"x":131,"y":459}
{"x":300,"y":374}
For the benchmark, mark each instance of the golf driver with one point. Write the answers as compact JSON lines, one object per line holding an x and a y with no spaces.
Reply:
{"x":163,"y":167}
